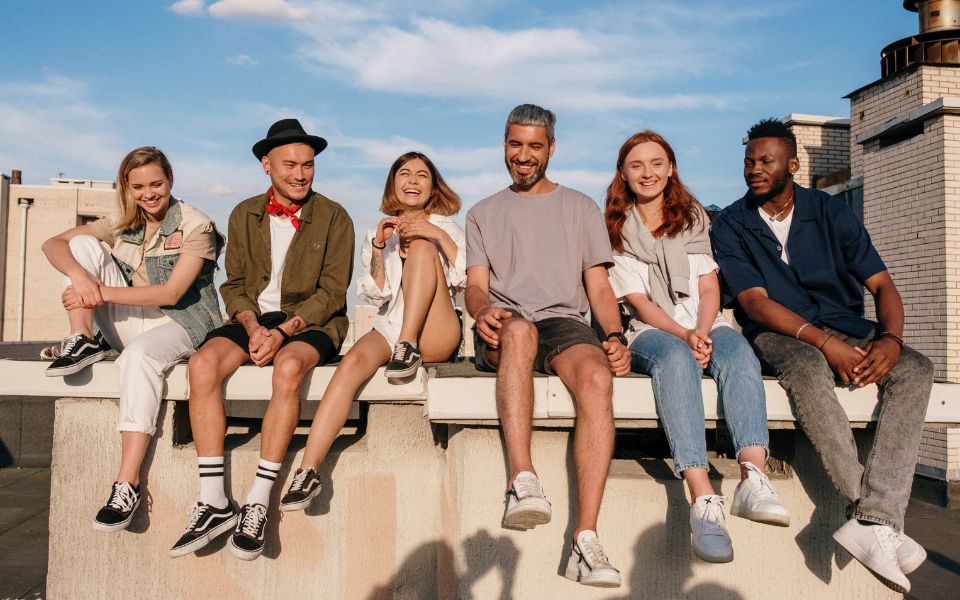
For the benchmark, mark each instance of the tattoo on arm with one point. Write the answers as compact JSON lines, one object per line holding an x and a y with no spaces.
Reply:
{"x":376,"y":265}
{"x":296,"y":324}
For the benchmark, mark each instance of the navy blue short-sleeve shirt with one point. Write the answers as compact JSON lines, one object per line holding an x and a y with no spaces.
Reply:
{"x":830,"y":257}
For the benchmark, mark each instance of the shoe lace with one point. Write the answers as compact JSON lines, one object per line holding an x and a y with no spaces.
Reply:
{"x":253,"y":516}
{"x":592,"y":552}
{"x":123,"y":497}
{"x":299,"y":480}
{"x":888,"y":539}
{"x":525,"y":487}
{"x":400,"y":351}
{"x":711,"y":521}
{"x":69,"y":344}
{"x":764,"y":489}
{"x":196,"y":514}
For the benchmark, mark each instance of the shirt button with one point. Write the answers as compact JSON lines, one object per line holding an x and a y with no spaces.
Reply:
{"x":779,"y":247}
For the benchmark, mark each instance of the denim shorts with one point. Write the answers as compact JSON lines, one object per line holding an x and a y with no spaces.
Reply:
{"x":235,"y":332}
{"x":554,"y":335}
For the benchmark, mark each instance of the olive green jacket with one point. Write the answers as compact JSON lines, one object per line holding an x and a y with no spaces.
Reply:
{"x":316,"y":271}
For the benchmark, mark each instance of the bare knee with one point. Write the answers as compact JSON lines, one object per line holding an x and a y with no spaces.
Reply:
{"x":421,"y":247}
{"x":203,"y":368}
{"x":288,"y":373}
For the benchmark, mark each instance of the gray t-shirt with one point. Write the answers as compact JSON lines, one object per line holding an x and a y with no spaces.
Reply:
{"x":537,"y":248}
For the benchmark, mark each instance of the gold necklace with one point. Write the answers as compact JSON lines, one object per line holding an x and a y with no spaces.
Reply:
{"x":774,"y":217}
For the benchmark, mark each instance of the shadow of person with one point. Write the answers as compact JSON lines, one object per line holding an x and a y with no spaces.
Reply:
{"x":482,"y":553}
{"x":141,"y":519}
{"x":418,"y":578}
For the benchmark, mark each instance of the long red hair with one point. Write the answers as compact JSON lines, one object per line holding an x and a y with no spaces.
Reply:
{"x":681,"y":210}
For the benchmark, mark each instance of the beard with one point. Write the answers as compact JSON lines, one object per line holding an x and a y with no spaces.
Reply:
{"x":527,"y":181}
{"x":776,"y":188}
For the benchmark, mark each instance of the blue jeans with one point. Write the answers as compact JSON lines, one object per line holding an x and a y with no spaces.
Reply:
{"x":676,"y":388}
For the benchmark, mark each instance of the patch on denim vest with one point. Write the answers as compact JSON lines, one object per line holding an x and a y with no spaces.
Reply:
{"x":174,"y":240}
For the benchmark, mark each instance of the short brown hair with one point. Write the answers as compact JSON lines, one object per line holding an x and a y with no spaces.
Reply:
{"x":443,"y":200}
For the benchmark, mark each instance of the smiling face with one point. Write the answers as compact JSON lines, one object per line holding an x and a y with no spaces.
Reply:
{"x":150,"y":189}
{"x":413,"y":184}
{"x":646,"y":170}
{"x":290,"y":168}
{"x":527,"y":152}
{"x":768,"y":167}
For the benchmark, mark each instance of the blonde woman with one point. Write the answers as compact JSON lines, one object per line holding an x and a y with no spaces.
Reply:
{"x":151,"y":296}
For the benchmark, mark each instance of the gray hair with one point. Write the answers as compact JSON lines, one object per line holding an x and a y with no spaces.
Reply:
{"x":531,"y":115}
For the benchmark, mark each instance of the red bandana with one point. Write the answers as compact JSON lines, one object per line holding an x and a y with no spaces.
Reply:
{"x":275,"y":208}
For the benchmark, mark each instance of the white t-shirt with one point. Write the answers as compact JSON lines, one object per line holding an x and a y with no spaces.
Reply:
{"x":281,"y":235}
{"x":781,"y":230}
{"x":631,"y":276}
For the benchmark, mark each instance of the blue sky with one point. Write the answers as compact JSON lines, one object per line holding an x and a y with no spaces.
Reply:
{"x":84,"y":82}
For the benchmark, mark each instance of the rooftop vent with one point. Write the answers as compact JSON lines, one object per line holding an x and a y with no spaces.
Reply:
{"x":938,"y":42}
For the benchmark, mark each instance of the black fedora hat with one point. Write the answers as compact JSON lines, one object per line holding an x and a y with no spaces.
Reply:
{"x":287,"y":131}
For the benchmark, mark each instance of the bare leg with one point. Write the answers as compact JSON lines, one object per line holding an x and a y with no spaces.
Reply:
{"x":370,"y":352}
{"x":752,"y":454}
{"x":518,"y":349}
{"x":584,"y":369}
{"x":211,"y":364}
{"x":133,"y":447}
{"x":428,"y":314}
{"x":698,"y":482}
{"x":81,"y":321}
{"x":291,"y":363}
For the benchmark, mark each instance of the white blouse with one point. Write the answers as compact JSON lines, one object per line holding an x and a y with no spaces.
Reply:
{"x":390,"y":298}
{"x":631,"y":276}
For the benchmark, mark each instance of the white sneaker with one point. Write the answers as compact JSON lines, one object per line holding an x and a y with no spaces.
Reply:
{"x":910,"y":554}
{"x":875,"y":546}
{"x":589,"y":564}
{"x":527,"y":507}
{"x":708,"y":530}
{"x":755,"y":499}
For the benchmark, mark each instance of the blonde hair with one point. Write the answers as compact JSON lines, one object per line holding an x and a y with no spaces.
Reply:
{"x":443,"y":201}
{"x":131,"y":215}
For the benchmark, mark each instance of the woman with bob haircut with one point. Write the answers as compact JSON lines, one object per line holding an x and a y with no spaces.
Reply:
{"x":665,"y":274}
{"x":152,"y":297}
{"x":413,"y":263}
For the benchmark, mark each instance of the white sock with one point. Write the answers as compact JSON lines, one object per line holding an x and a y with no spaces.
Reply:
{"x":412,"y":343}
{"x":262,"y":484}
{"x":211,"y":481}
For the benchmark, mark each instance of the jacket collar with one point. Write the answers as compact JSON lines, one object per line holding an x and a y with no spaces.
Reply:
{"x":803,"y":209}
{"x":171,"y":222}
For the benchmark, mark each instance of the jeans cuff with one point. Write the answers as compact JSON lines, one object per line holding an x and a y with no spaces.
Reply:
{"x":121,"y":427}
{"x":860,"y":516}
{"x":754,"y":445}
{"x":679,"y":469}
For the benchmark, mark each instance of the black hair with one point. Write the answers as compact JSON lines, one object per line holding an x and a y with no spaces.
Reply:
{"x":774,"y":128}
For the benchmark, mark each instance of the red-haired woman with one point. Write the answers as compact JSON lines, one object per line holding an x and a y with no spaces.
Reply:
{"x":664,"y":272}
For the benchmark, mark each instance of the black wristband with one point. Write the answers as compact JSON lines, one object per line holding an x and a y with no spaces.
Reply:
{"x":619,"y":335}
{"x":286,"y":336}
{"x":374,"y":244}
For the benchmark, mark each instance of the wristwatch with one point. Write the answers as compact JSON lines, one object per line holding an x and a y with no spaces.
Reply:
{"x":619,"y":335}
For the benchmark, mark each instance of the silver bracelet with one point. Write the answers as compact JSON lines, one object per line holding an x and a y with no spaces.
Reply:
{"x":801,"y":329}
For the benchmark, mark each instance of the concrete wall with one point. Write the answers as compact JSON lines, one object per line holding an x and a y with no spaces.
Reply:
{"x":402,"y":516}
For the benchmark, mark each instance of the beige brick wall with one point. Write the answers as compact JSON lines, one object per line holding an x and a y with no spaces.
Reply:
{"x":940,"y":453}
{"x":822,"y":150}
{"x":879,"y":104}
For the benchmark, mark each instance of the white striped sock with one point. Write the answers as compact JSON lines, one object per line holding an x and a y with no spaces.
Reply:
{"x":211,"y":481}
{"x":262,"y":484}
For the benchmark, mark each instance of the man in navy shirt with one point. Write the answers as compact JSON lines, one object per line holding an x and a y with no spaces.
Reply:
{"x":793,"y":261}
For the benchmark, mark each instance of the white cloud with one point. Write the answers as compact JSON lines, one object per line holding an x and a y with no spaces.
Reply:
{"x":258,"y":9}
{"x":242,"y":60}
{"x":188,"y":7}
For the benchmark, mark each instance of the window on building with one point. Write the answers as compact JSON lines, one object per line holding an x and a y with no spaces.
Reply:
{"x":853,"y":197}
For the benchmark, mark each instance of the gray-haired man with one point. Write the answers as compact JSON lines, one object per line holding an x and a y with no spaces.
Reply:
{"x":537,"y":256}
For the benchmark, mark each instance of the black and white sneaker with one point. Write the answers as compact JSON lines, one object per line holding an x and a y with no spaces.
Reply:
{"x":77,"y":352}
{"x":118,"y":511}
{"x":305,"y":485}
{"x":206,"y":523}
{"x":247,"y":541}
{"x":405,"y":361}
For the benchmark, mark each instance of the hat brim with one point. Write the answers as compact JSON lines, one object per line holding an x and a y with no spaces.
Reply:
{"x":261,"y":148}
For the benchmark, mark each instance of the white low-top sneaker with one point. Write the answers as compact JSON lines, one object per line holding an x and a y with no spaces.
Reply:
{"x":875,"y":546}
{"x":708,"y":530}
{"x":910,"y":554}
{"x":527,"y":507}
{"x":755,"y":499}
{"x":588,"y":563}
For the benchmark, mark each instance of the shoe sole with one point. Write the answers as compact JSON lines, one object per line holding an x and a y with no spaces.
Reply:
{"x":202,"y":541}
{"x":70,"y":370}
{"x":855,"y":551}
{"x":601,"y":582}
{"x":767,"y":518}
{"x":113,"y":527}
{"x":404,"y":373}
{"x":244,"y":554}
{"x":526,"y":518}
{"x":300,"y":505}
{"x":912,"y":565}
{"x":712,"y":559}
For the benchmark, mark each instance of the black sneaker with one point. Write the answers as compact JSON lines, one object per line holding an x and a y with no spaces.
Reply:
{"x":77,"y":352}
{"x":405,"y":362}
{"x":305,"y":485}
{"x":118,"y":511}
{"x":206,"y":523}
{"x":247,"y":541}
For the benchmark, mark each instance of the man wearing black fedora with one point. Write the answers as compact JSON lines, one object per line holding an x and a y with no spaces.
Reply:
{"x":289,"y":260}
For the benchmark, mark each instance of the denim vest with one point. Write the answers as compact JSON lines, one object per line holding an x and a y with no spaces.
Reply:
{"x":198,"y":310}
